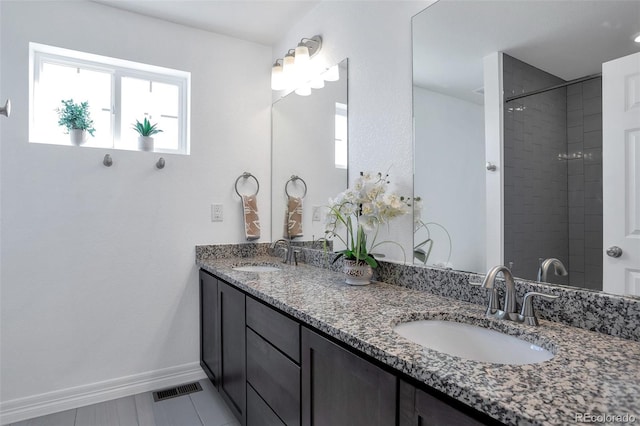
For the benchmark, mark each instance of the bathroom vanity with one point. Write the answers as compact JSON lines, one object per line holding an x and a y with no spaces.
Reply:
{"x":297,"y":375}
{"x":296,"y":346}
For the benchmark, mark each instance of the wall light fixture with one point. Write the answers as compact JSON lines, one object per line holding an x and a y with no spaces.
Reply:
{"x":296,"y":71}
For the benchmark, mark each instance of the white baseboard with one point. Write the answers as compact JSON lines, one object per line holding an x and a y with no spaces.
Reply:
{"x":29,"y":407}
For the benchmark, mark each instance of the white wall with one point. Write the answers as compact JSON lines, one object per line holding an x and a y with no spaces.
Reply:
{"x":449,"y":176}
{"x":98,"y":279}
{"x":376,"y":37}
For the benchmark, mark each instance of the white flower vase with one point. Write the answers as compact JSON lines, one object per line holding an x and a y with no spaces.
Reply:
{"x":78,"y":136}
{"x":357,"y":272}
{"x":145,"y":143}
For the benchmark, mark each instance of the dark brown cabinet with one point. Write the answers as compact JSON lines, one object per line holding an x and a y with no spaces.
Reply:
{"x":418,"y":408}
{"x":273,"y":363}
{"x":258,"y":412}
{"x":340,"y":388}
{"x":209,"y":329}
{"x":274,"y":377}
{"x":233,"y":376}
{"x":272,"y":371}
{"x":281,"y":331}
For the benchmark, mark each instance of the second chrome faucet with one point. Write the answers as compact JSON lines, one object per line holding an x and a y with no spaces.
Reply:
{"x":509,"y":310}
{"x":290,"y":254}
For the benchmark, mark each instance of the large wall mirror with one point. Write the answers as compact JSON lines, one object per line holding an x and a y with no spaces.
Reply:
{"x":309,"y":158}
{"x":535,"y":68}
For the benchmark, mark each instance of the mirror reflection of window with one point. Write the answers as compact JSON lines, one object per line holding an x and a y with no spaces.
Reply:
{"x":341,"y":140}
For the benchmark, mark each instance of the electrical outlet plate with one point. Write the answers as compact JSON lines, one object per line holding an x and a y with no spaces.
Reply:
{"x":217,"y":213}
{"x":317,"y":214}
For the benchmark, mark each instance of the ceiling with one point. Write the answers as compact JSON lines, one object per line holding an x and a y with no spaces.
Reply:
{"x":569,"y":39}
{"x":259,"y":21}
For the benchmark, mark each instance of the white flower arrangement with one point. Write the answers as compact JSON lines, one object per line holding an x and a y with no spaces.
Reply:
{"x":361,"y":210}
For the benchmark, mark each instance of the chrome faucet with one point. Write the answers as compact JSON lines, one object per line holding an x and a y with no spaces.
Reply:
{"x":290,"y":255}
{"x":558,"y":268}
{"x":510,"y":306}
{"x":510,"y":310}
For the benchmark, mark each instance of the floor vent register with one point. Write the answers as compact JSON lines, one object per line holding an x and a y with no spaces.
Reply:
{"x":176,"y":391}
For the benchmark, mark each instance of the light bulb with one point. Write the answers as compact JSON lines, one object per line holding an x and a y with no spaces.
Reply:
{"x":288,"y":65}
{"x":277,"y":77}
{"x":317,"y":82}
{"x":302,"y":54}
{"x":304,"y":90}
{"x":332,"y":74}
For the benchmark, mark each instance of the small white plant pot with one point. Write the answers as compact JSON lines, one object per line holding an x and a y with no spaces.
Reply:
{"x":357,"y":272}
{"x":78,"y":136}
{"x":145,"y":143}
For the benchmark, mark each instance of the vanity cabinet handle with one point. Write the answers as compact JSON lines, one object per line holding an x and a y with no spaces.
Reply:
{"x":491,"y":167}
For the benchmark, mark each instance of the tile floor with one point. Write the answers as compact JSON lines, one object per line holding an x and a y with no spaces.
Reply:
{"x":205,"y":408}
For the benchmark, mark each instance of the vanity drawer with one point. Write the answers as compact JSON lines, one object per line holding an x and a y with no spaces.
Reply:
{"x":277,"y":329}
{"x":275,"y":377}
{"x":258,"y":412}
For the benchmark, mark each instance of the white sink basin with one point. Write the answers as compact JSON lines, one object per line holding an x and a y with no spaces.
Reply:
{"x":472,"y":342}
{"x":256,"y":268}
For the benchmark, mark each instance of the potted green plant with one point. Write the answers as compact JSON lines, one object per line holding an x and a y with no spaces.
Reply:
{"x":145,"y":131}
{"x":76,"y":119}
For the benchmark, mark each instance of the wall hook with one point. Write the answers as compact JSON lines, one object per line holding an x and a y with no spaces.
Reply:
{"x":6,"y":109}
{"x":160,"y":163}
{"x":108,"y":161}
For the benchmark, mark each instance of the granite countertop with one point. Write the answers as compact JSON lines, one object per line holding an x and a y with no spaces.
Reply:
{"x":591,"y":373}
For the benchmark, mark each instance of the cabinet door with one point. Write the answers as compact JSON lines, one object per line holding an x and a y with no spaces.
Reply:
{"x":277,"y":329}
{"x":209,"y":327}
{"x":258,"y":412}
{"x":418,"y":408}
{"x":340,"y":388}
{"x":275,"y":378}
{"x":231,"y":310}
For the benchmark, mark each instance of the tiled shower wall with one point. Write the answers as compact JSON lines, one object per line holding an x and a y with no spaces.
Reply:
{"x":535,"y":180}
{"x":584,"y":134}
{"x":553,"y":175}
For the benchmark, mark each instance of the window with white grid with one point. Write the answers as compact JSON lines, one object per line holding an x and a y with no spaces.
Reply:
{"x":118,"y":92}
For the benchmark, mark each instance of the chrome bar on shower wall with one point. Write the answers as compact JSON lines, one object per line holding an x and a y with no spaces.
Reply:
{"x":547,"y":89}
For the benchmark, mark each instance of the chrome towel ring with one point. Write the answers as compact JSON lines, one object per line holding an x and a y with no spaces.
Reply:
{"x":247,"y":175}
{"x":292,"y":180}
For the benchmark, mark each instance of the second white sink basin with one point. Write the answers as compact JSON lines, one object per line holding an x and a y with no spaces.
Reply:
{"x":472,"y":342}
